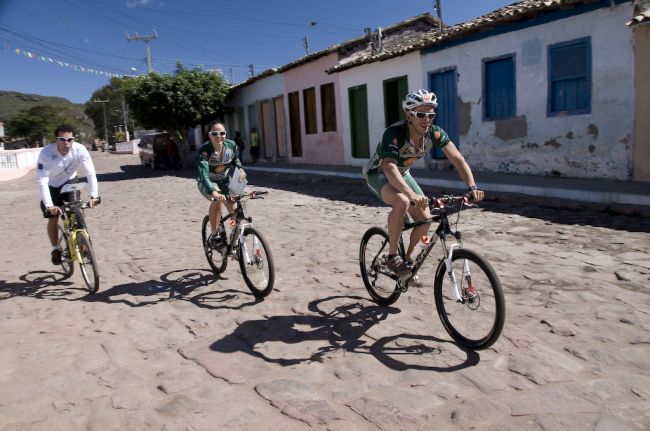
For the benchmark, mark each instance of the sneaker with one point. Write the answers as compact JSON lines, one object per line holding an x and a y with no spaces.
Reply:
{"x":397,"y":265}
{"x":56,"y":257}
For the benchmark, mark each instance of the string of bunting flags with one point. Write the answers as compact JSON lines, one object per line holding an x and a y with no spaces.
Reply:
{"x":46,"y":59}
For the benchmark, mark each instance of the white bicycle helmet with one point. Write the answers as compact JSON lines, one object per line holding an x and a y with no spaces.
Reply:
{"x":419,"y":97}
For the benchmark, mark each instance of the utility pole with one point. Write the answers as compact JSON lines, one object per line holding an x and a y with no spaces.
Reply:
{"x":305,"y":44}
{"x":251,"y":70}
{"x":126,"y":124}
{"x":232,"y":76}
{"x":146,"y":40}
{"x":438,"y":9}
{"x":104,"y":102}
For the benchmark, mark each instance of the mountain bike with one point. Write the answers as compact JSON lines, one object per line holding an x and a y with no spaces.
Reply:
{"x":74,"y":239}
{"x":468,"y":294}
{"x":244,"y":243}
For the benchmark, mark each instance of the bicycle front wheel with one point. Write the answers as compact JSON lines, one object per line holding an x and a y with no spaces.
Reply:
{"x":477,"y":318}
{"x":380,"y":282}
{"x":88,"y":262}
{"x":256,"y":262}
{"x":215,"y":252}
{"x":67,"y":265}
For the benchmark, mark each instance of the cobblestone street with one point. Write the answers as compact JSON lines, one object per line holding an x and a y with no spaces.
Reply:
{"x":165,"y":344}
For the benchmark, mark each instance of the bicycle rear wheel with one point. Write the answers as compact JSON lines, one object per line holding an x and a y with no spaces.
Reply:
{"x":476,"y":321}
{"x":256,"y":262}
{"x":216,"y":252}
{"x":67,"y":265}
{"x":380,"y":282}
{"x":88,"y":262}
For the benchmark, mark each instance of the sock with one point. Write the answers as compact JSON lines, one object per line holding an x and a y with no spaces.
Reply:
{"x":55,"y":247}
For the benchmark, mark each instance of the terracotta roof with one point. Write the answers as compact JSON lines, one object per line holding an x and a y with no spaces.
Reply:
{"x":512,"y":13}
{"x":354,"y":46}
{"x":641,"y":12}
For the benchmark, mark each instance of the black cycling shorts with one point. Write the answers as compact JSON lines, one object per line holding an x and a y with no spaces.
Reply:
{"x":57,"y":199}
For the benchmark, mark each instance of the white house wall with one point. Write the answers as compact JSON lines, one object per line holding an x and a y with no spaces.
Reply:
{"x":374,"y":75}
{"x":594,"y":145}
{"x":263,"y":89}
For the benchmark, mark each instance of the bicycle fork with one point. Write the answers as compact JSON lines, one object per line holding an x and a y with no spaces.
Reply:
{"x":452,"y":276}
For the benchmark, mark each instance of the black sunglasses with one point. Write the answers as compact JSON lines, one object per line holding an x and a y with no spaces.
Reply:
{"x":62,"y":139}
{"x":427,"y":115}
{"x":217,"y":133}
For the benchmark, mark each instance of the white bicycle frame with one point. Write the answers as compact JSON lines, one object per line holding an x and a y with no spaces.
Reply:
{"x":240,"y":238}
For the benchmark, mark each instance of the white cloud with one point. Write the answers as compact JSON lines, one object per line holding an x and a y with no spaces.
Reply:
{"x":143,"y":3}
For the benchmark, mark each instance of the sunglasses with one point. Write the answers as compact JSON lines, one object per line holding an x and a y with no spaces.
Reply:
{"x":62,"y":139}
{"x":427,"y":115}
{"x":217,"y":133}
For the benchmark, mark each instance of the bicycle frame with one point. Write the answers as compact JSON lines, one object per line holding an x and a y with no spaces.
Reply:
{"x":442,"y":232}
{"x":237,"y":234}
{"x":70,"y":224}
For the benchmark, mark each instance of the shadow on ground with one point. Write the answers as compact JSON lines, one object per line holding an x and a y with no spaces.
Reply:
{"x":177,"y":285}
{"x":342,"y":329}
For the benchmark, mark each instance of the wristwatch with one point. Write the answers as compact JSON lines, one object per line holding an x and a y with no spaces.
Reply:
{"x":472,"y":188}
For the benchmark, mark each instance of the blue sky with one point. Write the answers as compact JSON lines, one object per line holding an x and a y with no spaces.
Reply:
{"x":69,"y":48}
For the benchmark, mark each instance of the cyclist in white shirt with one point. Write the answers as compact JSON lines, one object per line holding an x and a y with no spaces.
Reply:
{"x":57,"y":165}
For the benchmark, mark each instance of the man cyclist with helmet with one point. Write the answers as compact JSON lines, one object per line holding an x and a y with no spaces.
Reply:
{"x":387,"y":172}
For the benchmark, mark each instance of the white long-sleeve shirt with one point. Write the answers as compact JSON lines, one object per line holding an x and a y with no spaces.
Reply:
{"x":54,"y":170}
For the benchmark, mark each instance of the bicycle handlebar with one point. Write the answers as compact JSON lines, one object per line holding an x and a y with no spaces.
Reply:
{"x":255,"y":194}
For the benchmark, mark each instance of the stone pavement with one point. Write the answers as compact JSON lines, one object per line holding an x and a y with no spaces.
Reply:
{"x":165,"y":345}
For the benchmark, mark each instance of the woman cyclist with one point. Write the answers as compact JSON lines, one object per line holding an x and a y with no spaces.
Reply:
{"x":218,"y":159}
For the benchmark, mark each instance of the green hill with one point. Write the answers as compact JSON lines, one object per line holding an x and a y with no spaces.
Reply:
{"x":11,"y":102}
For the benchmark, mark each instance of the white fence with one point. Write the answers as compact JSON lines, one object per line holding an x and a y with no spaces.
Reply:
{"x":19,"y":159}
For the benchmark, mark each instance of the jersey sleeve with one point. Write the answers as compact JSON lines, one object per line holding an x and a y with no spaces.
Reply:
{"x":89,"y":169}
{"x":204,"y":170}
{"x":43,"y":179}
{"x":438,"y":137}
{"x":389,"y":145}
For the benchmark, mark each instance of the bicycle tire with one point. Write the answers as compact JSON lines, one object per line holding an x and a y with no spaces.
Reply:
{"x":373,"y":272}
{"x":476,"y":323}
{"x":258,"y":276}
{"x":88,"y":261}
{"x":67,"y":265}
{"x":217,"y":258}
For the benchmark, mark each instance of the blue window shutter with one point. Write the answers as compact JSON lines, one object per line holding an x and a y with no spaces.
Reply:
{"x":570,"y":77}
{"x":499,"y":88}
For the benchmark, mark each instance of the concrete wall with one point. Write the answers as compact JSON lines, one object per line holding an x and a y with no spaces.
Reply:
{"x":594,"y":145}
{"x":374,"y":75}
{"x":320,"y":147}
{"x":641,"y":153}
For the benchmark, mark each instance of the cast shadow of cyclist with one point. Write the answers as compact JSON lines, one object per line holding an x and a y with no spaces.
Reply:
{"x":179,"y":285}
{"x":41,"y":285}
{"x":342,"y":330}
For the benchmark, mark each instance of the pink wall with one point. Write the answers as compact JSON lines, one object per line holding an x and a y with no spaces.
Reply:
{"x":321,"y":147}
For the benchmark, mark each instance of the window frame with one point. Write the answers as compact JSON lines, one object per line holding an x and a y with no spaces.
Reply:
{"x":586,"y":41}
{"x":486,"y":61}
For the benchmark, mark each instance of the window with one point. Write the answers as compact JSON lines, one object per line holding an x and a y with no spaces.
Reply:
{"x":328,"y":107}
{"x":309,"y":101}
{"x":499,"y":88}
{"x":569,"y":80}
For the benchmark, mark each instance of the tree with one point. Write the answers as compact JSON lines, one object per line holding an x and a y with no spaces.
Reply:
{"x":176,"y":103}
{"x":37,"y":123}
{"x":114,"y":93}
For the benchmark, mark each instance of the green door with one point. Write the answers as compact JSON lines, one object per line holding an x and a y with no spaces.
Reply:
{"x":395,"y":89}
{"x":358,"y":100}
